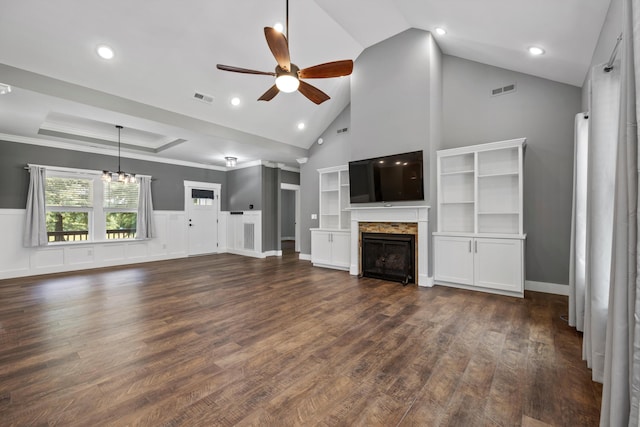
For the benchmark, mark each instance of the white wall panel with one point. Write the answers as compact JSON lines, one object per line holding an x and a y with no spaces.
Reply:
{"x":17,"y":261}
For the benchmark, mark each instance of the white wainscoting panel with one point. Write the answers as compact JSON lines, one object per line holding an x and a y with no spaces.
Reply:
{"x":18,"y":261}
{"x":237,"y":241}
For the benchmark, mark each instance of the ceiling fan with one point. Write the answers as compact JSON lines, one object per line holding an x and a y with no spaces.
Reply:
{"x":288,"y":75}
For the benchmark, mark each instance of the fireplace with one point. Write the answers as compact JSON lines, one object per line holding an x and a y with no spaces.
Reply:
{"x":389,"y":256}
{"x":403,"y":220}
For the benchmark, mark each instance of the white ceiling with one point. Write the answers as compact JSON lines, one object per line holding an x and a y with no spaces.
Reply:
{"x":167,"y":50}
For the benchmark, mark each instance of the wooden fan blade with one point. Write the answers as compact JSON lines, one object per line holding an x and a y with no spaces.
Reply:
{"x":313,"y":93}
{"x":268,"y":95}
{"x":279,"y":47}
{"x":243,"y":70}
{"x":329,"y":69}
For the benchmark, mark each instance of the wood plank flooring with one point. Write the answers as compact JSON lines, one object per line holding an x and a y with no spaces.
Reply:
{"x":228,"y":340}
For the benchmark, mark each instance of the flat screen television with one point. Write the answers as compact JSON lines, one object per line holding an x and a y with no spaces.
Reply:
{"x":387,"y":179}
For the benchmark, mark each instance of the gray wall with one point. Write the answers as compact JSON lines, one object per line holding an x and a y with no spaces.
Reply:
{"x":287,"y":213}
{"x":244,"y":187}
{"x":167,"y":188}
{"x":542,"y":111}
{"x":289,"y":177}
{"x":270,"y":209}
{"x":390,"y":102}
{"x":334,"y":151}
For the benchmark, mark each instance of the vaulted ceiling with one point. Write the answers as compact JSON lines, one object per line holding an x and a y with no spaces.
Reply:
{"x":166,"y":51}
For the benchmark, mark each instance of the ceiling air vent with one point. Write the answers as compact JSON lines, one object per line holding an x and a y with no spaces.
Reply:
{"x":503,"y":90}
{"x":207,"y":99}
{"x":343,"y":130}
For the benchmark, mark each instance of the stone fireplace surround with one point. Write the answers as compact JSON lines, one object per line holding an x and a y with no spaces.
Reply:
{"x":389,"y":218}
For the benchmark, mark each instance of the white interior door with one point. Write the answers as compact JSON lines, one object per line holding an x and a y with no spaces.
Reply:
{"x":202,"y":205}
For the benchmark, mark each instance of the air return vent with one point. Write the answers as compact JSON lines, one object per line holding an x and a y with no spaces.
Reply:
{"x":503,"y":90}
{"x":207,"y":99}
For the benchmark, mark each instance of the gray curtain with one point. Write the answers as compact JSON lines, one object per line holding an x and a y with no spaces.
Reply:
{"x":35,"y":228}
{"x":599,"y":250}
{"x":577,"y":266}
{"x":145,"y":226}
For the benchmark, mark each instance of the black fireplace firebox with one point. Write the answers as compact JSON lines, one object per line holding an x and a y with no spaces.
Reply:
{"x":389,"y":256}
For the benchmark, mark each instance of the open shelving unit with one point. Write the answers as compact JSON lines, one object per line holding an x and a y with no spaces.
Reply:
{"x":480,"y":205}
{"x":330,"y":242}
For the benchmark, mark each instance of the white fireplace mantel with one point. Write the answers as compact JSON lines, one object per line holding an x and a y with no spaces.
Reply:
{"x":413,"y":214}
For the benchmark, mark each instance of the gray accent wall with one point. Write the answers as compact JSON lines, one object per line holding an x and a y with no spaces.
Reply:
{"x":244,"y":187}
{"x":334,"y":151}
{"x":390,"y":98}
{"x":167,"y":187}
{"x":270,"y":209}
{"x":289,"y":177}
{"x":542,"y":111}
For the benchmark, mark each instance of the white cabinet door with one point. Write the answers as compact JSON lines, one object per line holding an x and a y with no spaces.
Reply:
{"x":341,"y":249}
{"x":499,"y":264}
{"x":320,"y":247}
{"x":453,"y":259}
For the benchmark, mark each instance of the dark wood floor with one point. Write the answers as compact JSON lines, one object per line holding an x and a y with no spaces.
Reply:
{"x":229,"y":340}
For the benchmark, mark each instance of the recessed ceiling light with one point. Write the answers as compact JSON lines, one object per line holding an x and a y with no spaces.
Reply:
{"x":301,"y":125}
{"x":535,"y":50}
{"x":278,"y":27}
{"x":235,"y":101}
{"x":4,"y":89}
{"x":441,"y":31}
{"x":105,"y":52}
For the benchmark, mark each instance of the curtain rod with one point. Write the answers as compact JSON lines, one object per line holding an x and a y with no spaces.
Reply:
{"x":73,"y":170}
{"x":609,"y":66}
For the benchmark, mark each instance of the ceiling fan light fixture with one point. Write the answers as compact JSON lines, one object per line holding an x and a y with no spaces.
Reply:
{"x":287,"y":83}
{"x":278,"y":27}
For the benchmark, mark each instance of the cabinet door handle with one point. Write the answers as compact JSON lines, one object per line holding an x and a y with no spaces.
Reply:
{"x":476,"y":242}
{"x":469,"y":245}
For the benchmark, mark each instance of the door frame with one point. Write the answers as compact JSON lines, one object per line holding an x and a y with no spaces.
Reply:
{"x":217,"y":188}
{"x":296,"y":189}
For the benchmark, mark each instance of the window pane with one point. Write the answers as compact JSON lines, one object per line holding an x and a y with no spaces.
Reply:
{"x":67,"y":226}
{"x":121,"y":225}
{"x":121,"y":195}
{"x":71,"y":192}
{"x":202,"y":202}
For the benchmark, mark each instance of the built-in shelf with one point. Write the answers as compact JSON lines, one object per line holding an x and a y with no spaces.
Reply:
{"x":479,"y":243}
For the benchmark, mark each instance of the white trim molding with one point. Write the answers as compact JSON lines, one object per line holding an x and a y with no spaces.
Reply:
{"x":304,"y":257}
{"x":548,"y":288}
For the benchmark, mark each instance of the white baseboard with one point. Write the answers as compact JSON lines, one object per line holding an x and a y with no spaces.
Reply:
{"x":304,"y":257}
{"x":288,"y":238}
{"x":272,"y":253}
{"x":548,"y":288}
{"x":425,"y":281}
{"x":252,"y":254}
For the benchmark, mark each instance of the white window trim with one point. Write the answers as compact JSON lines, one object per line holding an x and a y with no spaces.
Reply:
{"x":97,"y":213}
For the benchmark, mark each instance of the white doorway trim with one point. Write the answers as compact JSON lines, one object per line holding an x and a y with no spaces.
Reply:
{"x":217,"y":188}
{"x":296,"y":189}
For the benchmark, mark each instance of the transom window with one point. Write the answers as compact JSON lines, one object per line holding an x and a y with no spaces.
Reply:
{"x":74,"y":215}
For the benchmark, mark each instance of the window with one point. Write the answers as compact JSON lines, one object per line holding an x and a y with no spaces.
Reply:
{"x":69,"y":206}
{"x":202,"y":197}
{"x":73,"y":216}
{"x":121,"y":209}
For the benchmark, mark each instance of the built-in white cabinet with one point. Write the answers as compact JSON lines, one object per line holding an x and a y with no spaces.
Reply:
{"x":330,"y":249}
{"x":330,"y":243}
{"x":484,"y":263}
{"x":480,"y":238}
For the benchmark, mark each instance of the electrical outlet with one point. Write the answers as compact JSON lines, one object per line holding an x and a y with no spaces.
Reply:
{"x":89,"y":252}
{"x":164,"y":246}
{"x":314,"y":216}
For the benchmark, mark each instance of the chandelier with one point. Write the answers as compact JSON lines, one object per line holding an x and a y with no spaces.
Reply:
{"x":127,"y":178}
